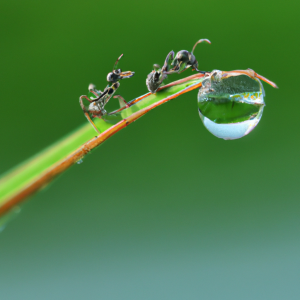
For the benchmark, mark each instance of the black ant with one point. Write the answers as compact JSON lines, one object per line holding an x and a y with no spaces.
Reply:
{"x":183,"y":60}
{"x":96,"y":106}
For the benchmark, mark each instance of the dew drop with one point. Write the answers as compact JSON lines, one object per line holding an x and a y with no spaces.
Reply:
{"x":80,"y":161}
{"x":230,"y":107}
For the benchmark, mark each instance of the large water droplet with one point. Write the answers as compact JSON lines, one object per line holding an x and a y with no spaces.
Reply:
{"x":230,"y":107}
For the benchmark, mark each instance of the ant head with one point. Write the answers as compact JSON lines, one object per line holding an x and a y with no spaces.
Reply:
{"x":113,"y":77}
{"x":117,"y":74}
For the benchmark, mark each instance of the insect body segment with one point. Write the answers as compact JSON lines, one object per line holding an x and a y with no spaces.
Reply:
{"x":158,"y":75}
{"x":97,"y":103}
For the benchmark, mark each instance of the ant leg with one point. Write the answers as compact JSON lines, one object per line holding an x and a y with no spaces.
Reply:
{"x":156,"y":67}
{"x":178,"y":68}
{"x":182,"y":67}
{"x":91,"y":122}
{"x":172,"y":71}
{"x":165,"y":68}
{"x":81,"y":102}
{"x":121,"y":101}
{"x":86,"y":112}
{"x":92,"y":89}
{"x":168,"y":61}
{"x":201,"y":72}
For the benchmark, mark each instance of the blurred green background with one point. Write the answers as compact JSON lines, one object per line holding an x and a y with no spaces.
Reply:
{"x":163,"y":209}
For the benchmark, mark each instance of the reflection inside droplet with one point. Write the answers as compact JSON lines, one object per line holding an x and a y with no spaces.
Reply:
{"x":230,"y":107}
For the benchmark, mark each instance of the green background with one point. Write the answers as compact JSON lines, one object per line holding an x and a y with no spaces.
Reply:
{"x":163,"y":209}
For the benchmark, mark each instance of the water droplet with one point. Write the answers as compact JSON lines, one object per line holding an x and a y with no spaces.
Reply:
{"x":80,"y":161}
{"x":230,"y":107}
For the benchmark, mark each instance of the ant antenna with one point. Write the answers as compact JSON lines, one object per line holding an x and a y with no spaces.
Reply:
{"x":200,"y":41}
{"x":116,"y":63}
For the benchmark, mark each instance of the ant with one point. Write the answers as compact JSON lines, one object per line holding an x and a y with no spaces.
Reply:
{"x":183,"y":60}
{"x":96,"y":106}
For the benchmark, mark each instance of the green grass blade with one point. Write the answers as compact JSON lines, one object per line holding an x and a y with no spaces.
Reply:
{"x":39,"y":170}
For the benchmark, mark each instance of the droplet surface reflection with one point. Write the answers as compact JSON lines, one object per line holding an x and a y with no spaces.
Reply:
{"x":230,"y":107}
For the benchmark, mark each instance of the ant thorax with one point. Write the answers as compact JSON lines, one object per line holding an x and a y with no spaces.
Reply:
{"x":114,"y":76}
